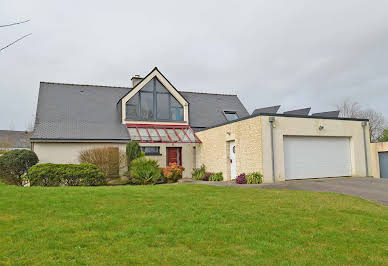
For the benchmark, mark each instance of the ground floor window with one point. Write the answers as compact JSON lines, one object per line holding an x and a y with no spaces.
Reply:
{"x":151,"y":150}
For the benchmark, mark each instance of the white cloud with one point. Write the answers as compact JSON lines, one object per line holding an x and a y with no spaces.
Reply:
{"x":294,"y":53}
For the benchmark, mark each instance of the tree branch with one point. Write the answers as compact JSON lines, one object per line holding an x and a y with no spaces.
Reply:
{"x":16,"y":23}
{"x":1,"y":49}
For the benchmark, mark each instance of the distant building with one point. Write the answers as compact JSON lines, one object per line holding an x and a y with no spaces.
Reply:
{"x":11,"y":140}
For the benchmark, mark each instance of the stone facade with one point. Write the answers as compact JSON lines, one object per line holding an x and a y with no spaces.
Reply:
{"x":214,"y":149}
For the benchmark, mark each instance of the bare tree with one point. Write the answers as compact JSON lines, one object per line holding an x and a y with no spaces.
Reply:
{"x":377,"y":123}
{"x":17,"y":40}
{"x":349,"y":109}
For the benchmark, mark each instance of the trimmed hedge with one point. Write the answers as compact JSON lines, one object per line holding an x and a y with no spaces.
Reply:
{"x":52,"y":175}
{"x":15,"y":164}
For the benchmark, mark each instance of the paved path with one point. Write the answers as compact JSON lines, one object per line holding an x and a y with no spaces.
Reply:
{"x":374,"y":189}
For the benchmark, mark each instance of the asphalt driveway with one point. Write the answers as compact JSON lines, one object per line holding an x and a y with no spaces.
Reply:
{"x":374,"y":189}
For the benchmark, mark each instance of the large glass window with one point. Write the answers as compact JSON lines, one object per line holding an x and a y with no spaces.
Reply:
{"x":146,"y":105}
{"x":162,"y":106}
{"x":132,"y":107}
{"x":154,"y":102}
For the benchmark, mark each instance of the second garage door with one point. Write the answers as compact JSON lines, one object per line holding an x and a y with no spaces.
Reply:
{"x":315,"y":157}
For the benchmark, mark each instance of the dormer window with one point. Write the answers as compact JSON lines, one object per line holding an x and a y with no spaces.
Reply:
{"x":154,"y":103}
{"x":231,"y":115}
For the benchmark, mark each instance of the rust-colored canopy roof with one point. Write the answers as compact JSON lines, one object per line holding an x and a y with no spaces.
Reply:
{"x":162,"y":133}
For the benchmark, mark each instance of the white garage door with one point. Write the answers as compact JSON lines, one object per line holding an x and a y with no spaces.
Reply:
{"x":313,"y":157}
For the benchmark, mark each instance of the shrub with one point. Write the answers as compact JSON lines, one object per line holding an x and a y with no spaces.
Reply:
{"x":206,"y":176}
{"x":241,"y":179}
{"x":51,"y":175}
{"x":173,"y":172}
{"x":198,"y":173}
{"x":15,"y":164}
{"x":107,"y":159}
{"x":254,"y":178}
{"x":145,"y":171}
{"x":133,"y":152}
{"x":216,"y":177}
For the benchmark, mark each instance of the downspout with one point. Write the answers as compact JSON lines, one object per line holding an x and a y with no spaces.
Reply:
{"x":364,"y":124}
{"x":271,"y":121}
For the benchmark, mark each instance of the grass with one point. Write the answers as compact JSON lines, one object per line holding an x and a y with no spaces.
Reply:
{"x":188,"y":224}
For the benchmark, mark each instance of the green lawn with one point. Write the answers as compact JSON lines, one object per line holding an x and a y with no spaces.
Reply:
{"x":188,"y":224}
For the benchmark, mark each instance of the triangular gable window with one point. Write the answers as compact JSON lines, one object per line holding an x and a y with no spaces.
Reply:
{"x":154,"y":103}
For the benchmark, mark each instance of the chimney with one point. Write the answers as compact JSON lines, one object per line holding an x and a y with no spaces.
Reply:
{"x":136,"y":80}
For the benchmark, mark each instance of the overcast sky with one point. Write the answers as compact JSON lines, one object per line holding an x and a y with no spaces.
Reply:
{"x":294,"y":53}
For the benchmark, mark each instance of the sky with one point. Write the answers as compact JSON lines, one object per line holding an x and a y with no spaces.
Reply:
{"x":300,"y":53}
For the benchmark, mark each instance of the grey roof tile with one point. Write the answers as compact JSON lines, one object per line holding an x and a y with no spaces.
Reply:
{"x":267,"y":110}
{"x":304,"y":111}
{"x":86,"y":112}
{"x":67,"y":111}
{"x":327,"y":114}
{"x":206,"y":109}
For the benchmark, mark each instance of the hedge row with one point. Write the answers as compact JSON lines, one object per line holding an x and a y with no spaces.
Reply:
{"x":51,"y":175}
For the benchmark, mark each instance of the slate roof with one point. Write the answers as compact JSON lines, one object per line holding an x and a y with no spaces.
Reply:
{"x":304,"y":111}
{"x":90,"y":113}
{"x":267,"y":110}
{"x":16,"y":139}
{"x":79,"y":112}
{"x":327,"y":114}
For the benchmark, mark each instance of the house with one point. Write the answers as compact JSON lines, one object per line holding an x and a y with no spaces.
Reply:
{"x":191,"y":128}
{"x":71,"y":118}
{"x":11,"y":140}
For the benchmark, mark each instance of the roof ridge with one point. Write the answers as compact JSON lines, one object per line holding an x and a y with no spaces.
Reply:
{"x":89,"y":85}
{"x":223,"y":94}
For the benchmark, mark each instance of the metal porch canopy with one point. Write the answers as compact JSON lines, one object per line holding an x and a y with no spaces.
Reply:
{"x":162,"y":133}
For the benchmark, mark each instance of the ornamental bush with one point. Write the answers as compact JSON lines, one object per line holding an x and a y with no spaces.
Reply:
{"x":52,"y":175}
{"x":254,"y":178}
{"x":206,"y":176}
{"x":15,"y":164}
{"x":133,"y":152}
{"x":198,"y":173}
{"x":241,"y":179}
{"x":107,"y":159}
{"x":145,"y":171}
{"x":216,"y":177}
{"x":173,"y":172}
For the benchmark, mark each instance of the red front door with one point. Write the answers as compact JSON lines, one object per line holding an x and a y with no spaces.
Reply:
{"x":174,"y":155}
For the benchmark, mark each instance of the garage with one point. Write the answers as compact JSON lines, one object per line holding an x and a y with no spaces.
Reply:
{"x":383,"y":159}
{"x":316,"y":157}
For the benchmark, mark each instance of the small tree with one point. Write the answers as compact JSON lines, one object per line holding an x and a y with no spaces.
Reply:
{"x":133,"y":152}
{"x":349,"y":109}
{"x":108,"y":159}
{"x":15,"y":164}
{"x":384,"y":137}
